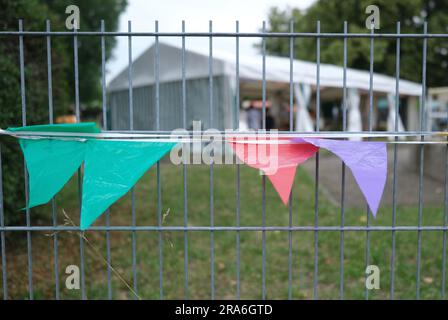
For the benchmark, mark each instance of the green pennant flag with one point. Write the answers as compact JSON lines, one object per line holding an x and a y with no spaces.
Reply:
{"x":52,"y":162}
{"x":111,"y":168}
{"x":82,"y":127}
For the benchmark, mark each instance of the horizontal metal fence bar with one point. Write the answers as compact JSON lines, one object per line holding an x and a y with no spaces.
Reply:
{"x":225,"y":34}
{"x":282,"y":132}
{"x":156,"y":134}
{"x":226,"y":228}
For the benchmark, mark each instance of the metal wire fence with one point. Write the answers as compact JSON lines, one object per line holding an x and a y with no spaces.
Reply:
{"x":316,"y":229}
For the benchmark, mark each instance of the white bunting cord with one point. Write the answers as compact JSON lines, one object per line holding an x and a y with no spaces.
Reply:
{"x":228,"y":136}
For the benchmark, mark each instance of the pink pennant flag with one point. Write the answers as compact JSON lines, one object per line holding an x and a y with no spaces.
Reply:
{"x":278,"y":161}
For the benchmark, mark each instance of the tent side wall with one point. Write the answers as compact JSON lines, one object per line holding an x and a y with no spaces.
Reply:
{"x":171,"y":112}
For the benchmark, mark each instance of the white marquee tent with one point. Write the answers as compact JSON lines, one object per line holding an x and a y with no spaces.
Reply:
{"x":277,"y":75}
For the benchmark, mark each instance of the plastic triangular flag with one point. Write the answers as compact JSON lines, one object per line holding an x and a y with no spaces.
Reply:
{"x":50,"y":164}
{"x":277,"y":160}
{"x":367,"y":162}
{"x":111,"y":168}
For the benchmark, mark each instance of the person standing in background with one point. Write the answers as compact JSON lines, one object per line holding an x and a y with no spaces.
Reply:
{"x":270,"y":121}
{"x":253,"y":117}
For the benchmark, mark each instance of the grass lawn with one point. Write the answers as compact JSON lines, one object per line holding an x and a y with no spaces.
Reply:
{"x":225,"y":244}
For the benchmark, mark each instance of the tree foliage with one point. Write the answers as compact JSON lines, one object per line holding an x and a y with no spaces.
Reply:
{"x":332,"y":14}
{"x":89,"y":48}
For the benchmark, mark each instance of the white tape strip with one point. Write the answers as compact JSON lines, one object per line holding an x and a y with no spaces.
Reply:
{"x":237,"y":137}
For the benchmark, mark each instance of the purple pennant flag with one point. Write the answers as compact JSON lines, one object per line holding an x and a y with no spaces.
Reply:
{"x":366,"y":160}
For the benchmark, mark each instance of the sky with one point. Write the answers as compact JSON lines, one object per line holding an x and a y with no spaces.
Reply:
{"x":196,"y":13}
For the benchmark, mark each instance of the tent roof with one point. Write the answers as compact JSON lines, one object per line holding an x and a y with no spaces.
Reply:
{"x":250,"y":69}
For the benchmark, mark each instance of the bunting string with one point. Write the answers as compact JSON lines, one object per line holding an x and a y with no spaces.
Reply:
{"x":249,"y":137}
{"x":115,"y":161}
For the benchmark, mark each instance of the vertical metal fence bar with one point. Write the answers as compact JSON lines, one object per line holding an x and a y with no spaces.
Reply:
{"x":157,"y":72}
{"x":131,"y":127}
{"x":237,"y":108}
{"x":49,"y":74}
{"x":316,"y":190}
{"x":372,"y":29}
{"x":105,"y":127}
{"x":291,"y":77}
{"x":184,"y":115}
{"x":159,"y":185}
{"x":130,"y":73}
{"x":394,"y":182}
{"x":78,"y":119}
{"x":75,"y":65}
{"x":291,"y":106}
{"x":263,"y":117}
{"x":103,"y":77}
{"x":2,"y":234}
{"x":212,"y":209}
{"x":422,"y":159}
{"x":53,"y":200}
{"x":263,"y":239}
{"x":28,"y":219}
{"x":159,"y":223}
{"x":344,"y":128}
{"x":445,"y":223}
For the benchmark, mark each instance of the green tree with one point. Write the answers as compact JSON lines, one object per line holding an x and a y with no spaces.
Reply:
{"x":332,"y":14}
{"x":89,"y":48}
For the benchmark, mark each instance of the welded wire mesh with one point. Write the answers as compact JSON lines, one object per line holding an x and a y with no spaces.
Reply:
{"x":186,"y":228}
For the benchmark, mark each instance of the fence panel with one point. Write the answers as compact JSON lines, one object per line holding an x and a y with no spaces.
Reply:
{"x":186,"y":228}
